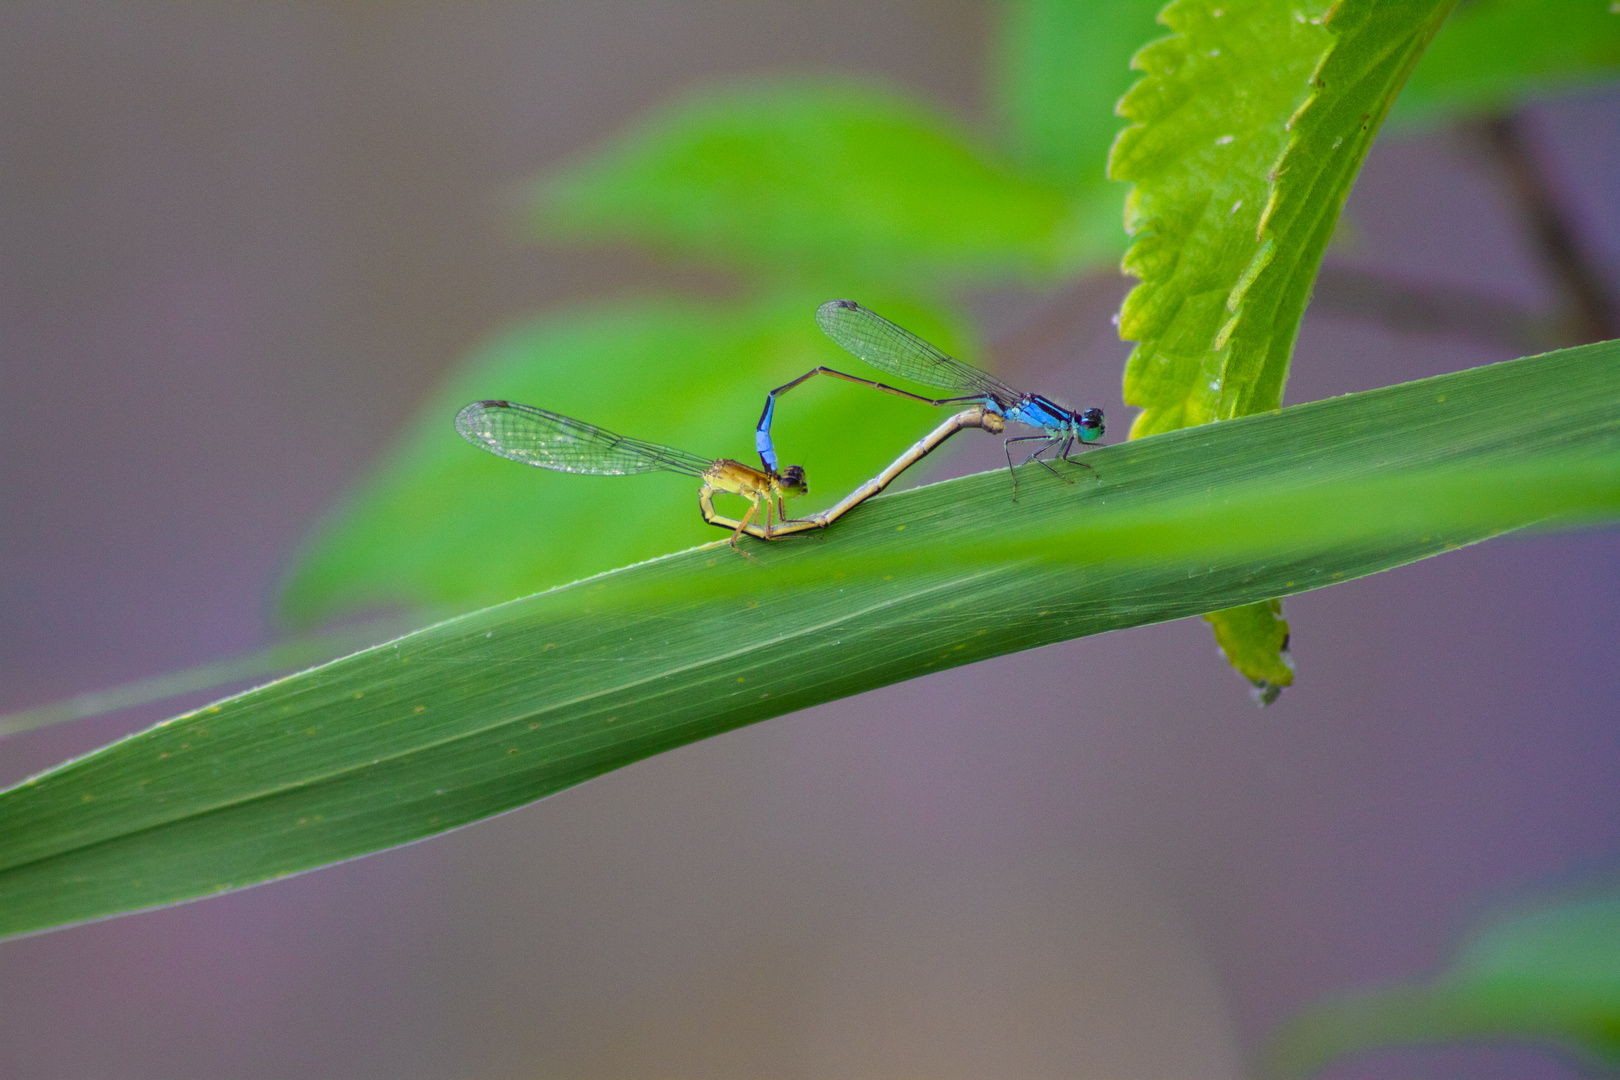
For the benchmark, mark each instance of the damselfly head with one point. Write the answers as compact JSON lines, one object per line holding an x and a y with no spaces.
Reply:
{"x":792,"y":481}
{"x":1091,"y":425}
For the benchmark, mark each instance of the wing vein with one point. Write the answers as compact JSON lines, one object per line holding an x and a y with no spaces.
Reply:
{"x":552,"y":441}
{"x":864,"y":333}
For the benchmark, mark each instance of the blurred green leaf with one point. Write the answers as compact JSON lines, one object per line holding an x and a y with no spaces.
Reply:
{"x":1060,"y":67}
{"x":1248,"y":131}
{"x":442,"y":523}
{"x":497,"y":708}
{"x":835,"y":182}
{"x":1548,"y":975}
{"x":1494,"y":54}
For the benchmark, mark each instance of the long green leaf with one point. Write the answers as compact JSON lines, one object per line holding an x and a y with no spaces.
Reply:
{"x":1549,"y":975}
{"x":506,"y":705}
{"x":1493,"y":54}
{"x":840,"y":183}
{"x":443,"y":524}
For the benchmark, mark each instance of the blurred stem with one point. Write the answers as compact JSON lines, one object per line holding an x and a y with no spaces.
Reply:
{"x":1077,"y":303}
{"x":1588,"y":310}
{"x":1437,"y":310}
{"x":1407,"y":307}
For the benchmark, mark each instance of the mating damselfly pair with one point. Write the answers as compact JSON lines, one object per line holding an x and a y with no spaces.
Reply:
{"x":536,"y":436}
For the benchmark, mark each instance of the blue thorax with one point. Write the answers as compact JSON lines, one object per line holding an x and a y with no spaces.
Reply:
{"x":1037,"y":412}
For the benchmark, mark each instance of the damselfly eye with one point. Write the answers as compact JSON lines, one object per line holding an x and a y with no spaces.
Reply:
{"x":1092,"y":419}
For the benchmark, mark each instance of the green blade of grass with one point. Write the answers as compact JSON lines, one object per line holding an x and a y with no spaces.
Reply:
{"x":506,"y":705}
{"x":283,"y":656}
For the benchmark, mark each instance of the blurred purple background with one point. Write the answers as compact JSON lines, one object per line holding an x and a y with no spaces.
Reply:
{"x":239,"y":244}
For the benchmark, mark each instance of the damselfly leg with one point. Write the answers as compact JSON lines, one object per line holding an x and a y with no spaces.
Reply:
{"x":1047,"y":443}
{"x":753,"y":507}
{"x":1069,"y":445}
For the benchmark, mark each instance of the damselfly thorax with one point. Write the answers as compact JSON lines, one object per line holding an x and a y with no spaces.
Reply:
{"x":758,"y":486}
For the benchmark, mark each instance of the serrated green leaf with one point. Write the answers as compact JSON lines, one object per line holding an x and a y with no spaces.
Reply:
{"x":497,"y":708}
{"x":1060,"y":67}
{"x":1492,"y":55}
{"x":827,"y":181}
{"x":444,"y":524}
{"x":1254,"y":639}
{"x":1549,"y":975}
{"x":1248,"y":131}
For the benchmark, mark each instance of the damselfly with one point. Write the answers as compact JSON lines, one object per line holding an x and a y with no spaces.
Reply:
{"x":868,"y":335}
{"x":553,"y":441}
{"x":538,"y":437}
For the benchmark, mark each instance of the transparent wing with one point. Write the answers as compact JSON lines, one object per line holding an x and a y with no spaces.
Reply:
{"x":552,"y":441}
{"x":868,"y":335}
